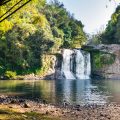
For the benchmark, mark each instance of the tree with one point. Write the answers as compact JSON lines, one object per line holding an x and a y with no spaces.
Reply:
{"x":61,"y":20}
{"x":30,"y":34}
{"x":111,"y":34}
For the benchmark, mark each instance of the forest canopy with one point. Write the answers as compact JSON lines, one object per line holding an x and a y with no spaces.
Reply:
{"x":36,"y":29}
{"x":112,"y":31}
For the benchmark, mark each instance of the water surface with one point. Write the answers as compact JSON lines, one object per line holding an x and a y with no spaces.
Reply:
{"x":56,"y":91}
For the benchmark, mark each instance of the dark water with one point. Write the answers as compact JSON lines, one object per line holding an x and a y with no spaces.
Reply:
{"x":56,"y":91}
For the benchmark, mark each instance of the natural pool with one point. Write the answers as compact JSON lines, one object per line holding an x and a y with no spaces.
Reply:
{"x":56,"y":91}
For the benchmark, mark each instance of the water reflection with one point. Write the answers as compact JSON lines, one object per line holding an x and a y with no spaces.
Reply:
{"x":82,"y":92}
{"x":73,"y":91}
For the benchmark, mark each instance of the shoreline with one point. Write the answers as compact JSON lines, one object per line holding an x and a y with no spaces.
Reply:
{"x":30,"y":77}
{"x":64,"y":111}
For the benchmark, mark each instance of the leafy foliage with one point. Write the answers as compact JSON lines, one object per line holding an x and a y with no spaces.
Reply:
{"x":101,"y":59}
{"x":112,"y":32}
{"x":64,"y":26}
{"x":30,"y":33}
{"x":10,"y":75}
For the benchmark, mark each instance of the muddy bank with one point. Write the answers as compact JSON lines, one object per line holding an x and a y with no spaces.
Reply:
{"x":64,"y":111}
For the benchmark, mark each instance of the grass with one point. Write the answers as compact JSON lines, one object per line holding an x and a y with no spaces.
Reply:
{"x":7,"y":113}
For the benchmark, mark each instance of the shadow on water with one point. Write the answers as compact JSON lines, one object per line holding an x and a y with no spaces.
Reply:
{"x":72,"y":91}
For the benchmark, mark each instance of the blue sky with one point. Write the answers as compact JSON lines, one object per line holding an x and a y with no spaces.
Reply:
{"x":93,"y":13}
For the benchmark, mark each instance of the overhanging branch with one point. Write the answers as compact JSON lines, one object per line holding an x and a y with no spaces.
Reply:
{"x":14,"y":10}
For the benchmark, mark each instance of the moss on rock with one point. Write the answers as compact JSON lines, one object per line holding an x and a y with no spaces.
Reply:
{"x":100,"y":59}
{"x":48,"y":64}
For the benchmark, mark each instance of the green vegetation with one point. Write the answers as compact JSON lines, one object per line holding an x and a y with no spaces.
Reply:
{"x":101,"y":59}
{"x":15,"y":114}
{"x":29,"y":34}
{"x":95,"y":39}
{"x":112,"y":32}
{"x":10,"y":75}
{"x":47,"y":63}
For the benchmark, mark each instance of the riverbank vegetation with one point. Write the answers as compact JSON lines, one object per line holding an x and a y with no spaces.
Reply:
{"x":29,"y":34}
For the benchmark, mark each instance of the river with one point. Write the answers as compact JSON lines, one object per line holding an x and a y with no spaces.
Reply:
{"x":56,"y":91}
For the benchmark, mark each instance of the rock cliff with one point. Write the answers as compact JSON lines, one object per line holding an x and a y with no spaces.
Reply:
{"x":105,"y":60}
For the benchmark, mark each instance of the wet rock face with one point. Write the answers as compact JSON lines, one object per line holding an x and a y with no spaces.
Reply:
{"x":54,"y":67}
{"x":106,"y":61}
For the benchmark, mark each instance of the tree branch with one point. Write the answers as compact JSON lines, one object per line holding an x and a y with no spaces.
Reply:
{"x":15,"y":10}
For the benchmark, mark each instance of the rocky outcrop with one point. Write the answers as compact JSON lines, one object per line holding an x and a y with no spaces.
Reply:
{"x":51,"y":68}
{"x":54,"y":69}
{"x":105,"y":60}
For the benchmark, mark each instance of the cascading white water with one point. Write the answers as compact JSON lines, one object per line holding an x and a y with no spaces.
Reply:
{"x":80,"y":64}
{"x":76,"y":64}
{"x":66,"y":64}
{"x":87,"y":66}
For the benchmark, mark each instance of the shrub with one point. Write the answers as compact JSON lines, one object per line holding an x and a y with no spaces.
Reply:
{"x":101,"y":59}
{"x":10,"y":75}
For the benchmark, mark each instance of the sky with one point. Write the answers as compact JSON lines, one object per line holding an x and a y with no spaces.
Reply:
{"x":94,"y":14}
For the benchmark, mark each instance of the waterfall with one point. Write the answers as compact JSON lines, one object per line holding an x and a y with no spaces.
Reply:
{"x":87,"y":65}
{"x":67,"y":64}
{"x":80,"y":64}
{"x":76,"y":64}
